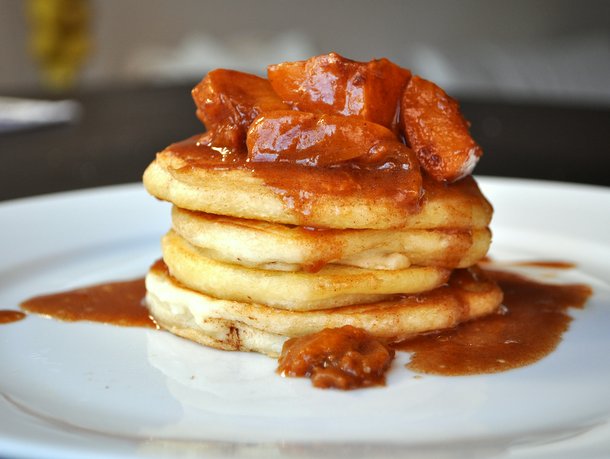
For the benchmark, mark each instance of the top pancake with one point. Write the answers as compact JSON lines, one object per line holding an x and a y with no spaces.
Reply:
{"x":299,"y":195}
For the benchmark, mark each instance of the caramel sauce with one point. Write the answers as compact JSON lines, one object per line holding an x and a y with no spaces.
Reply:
{"x":341,"y":358}
{"x":116,"y":303}
{"x":300,"y":186}
{"x":529,"y":328}
{"x":546,"y":264}
{"x":8,"y":316}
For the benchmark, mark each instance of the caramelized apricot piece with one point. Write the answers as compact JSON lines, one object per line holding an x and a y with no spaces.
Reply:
{"x":335,"y":85}
{"x":343,"y":358}
{"x":228,"y":101}
{"x":317,"y":139}
{"x":435,"y":128}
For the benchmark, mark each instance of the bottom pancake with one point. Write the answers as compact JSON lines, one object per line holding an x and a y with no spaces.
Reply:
{"x":234,"y":325}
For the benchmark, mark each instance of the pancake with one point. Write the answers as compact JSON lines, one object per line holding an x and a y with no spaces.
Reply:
{"x":274,"y":246}
{"x":332,"y":286}
{"x":201,"y":181}
{"x":245,"y":326}
{"x":315,"y":207}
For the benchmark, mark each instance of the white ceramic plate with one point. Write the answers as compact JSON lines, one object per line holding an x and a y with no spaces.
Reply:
{"x":89,"y":390}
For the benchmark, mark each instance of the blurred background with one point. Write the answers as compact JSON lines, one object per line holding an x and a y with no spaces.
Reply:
{"x":91,"y":89}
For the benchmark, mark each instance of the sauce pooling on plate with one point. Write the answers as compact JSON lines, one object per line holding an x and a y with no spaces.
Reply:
{"x":116,"y":303}
{"x":546,"y":264}
{"x":529,"y":327}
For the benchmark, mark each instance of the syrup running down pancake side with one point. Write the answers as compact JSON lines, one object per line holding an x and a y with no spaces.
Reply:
{"x":299,"y":185}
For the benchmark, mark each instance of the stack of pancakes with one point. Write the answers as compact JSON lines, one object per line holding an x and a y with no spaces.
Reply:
{"x":245,"y":268}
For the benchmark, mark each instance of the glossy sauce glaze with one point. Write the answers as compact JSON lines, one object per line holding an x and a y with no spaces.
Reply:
{"x":116,"y":303}
{"x":8,"y":316}
{"x":529,"y":327}
{"x":299,"y":186}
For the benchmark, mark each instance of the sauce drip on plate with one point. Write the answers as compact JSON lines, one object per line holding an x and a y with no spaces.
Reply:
{"x":529,"y":327}
{"x":116,"y":303}
{"x":7,"y":316}
{"x":546,"y":264}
